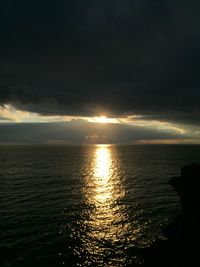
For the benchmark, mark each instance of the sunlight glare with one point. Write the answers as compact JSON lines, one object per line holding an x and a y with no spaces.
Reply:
{"x":103,"y":221}
{"x":103,"y":171}
{"x":103,"y":119}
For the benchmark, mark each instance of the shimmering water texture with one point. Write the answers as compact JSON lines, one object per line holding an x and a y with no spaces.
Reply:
{"x":85,"y":205}
{"x":105,"y":231}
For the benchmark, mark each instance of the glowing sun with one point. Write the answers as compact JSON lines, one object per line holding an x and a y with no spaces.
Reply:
{"x":103,"y":119}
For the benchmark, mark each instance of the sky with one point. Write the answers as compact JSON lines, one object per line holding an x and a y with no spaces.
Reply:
{"x":65,"y":64}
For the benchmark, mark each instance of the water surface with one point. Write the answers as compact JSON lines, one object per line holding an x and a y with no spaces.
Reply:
{"x":85,"y":205}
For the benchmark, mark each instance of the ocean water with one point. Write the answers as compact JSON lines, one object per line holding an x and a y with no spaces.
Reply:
{"x":86,"y":205}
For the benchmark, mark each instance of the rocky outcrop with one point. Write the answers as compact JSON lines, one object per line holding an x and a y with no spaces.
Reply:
{"x":182,"y":247}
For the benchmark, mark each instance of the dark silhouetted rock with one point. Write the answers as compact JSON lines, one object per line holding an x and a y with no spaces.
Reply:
{"x":182,"y":246}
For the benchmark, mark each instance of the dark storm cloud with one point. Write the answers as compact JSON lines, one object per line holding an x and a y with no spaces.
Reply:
{"x":78,"y":57}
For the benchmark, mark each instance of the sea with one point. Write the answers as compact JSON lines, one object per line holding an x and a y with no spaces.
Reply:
{"x":90,"y":205}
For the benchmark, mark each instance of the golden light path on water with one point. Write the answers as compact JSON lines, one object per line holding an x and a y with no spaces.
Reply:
{"x":103,"y":173}
{"x":106,"y":230}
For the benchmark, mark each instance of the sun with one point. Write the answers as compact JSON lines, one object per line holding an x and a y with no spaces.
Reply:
{"x":103,"y":119}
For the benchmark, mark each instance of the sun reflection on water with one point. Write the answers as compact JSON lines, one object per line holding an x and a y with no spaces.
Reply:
{"x":103,"y":172}
{"x":107,"y":223}
{"x":106,"y":226}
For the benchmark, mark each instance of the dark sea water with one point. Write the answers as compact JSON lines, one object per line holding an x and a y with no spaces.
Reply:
{"x":85,"y":205}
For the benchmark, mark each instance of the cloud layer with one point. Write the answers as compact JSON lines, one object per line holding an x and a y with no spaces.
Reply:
{"x":83,"y":132}
{"x":84,"y":58}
